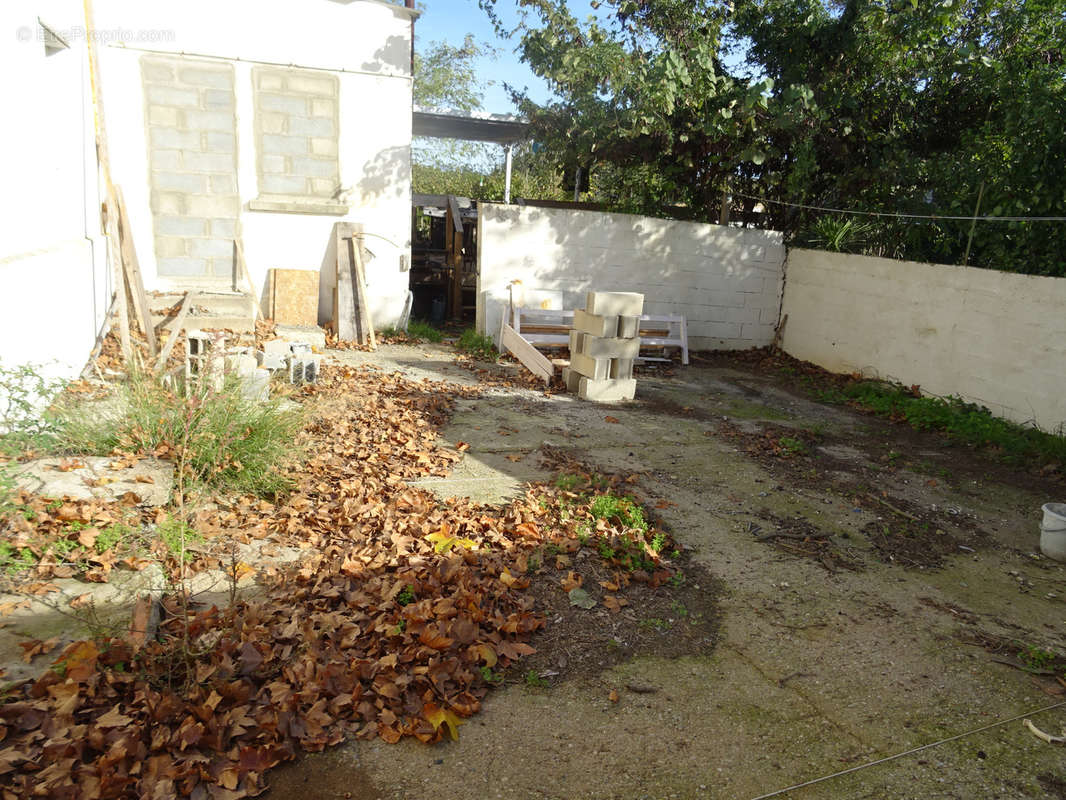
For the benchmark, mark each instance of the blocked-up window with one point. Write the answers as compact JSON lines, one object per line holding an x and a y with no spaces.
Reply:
{"x":296,"y":130}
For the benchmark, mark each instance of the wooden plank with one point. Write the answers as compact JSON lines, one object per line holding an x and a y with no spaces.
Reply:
{"x":175,"y":331}
{"x":453,"y":243}
{"x":243,"y":271}
{"x":132,"y":270}
{"x":525,"y":352}
{"x":456,"y":217}
{"x":344,"y":311}
{"x":364,"y":305}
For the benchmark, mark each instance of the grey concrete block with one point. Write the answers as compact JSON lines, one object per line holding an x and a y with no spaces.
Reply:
{"x":166,"y":116}
{"x":218,"y":100}
{"x":213,"y":206}
{"x":169,"y":139}
{"x":576,"y":338}
{"x":274,"y":164}
{"x":182,"y":266}
{"x":209,"y":162}
{"x":170,"y":247}
{"x":167,"y":203}
{"x":268,"y":79}
{"x":157,"y":71}
{"x":595,"y":368}
{"x":224,"y":228}
{"x":169,"y":96}
{"x":179,"y":182}
{"x":215,"y":77}
{"x":323,"y":108}
{"x":209,"y":120}
{"x":280,"y":348}
{"x":310,"y":335}
{"x":284,"y":145}
{"x":181,"y":226}
{"x":210,"y":248}
{"x":595,"y":347}
{"x":323,"y":85}
{"x":324,"y":147}
{"x":223,"y":184}
{"x":596,"y":324}
{"x":271,"y":360}
{"x":281,"y":102}
{"x":310,"y":126}
{"x":271,"y":123}
{"x":622,"y":368}
{"x":607,"y":391}
{"x":615,"y":303}
{"x":314,"y":168}
{"x":221,"y":143}
{"x":324,"y":187}
{"x":282,"y":184}
{"x":628,"y":327}
{"x":222,"y":266}
{"x":572,"y":379}
{"x":165,"y":159}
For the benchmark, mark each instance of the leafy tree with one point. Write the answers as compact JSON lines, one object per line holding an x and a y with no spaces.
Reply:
{"x":896,"y":106}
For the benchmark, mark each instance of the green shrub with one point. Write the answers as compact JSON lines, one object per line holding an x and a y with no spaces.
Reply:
{"x":221,"y":439}
{"x":477,"y":345}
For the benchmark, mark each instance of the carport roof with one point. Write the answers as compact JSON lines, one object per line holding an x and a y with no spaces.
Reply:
{"x":475,"y":126}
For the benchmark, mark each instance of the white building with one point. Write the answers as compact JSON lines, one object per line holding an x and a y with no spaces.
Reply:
{"x":264,"y":121}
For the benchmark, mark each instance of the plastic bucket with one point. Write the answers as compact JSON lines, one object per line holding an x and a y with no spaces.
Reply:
{"x":1053,"y":531}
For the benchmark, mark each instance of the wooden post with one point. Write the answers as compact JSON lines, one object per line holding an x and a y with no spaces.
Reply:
{"x":175,"y":332}
{"x":364,"y":306}
{"x":453,"y":243}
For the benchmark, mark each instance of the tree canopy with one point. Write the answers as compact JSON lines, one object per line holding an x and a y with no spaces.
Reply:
{"x":894,"y":106}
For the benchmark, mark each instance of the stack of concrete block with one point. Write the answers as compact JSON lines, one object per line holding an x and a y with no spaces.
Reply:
{"x":604,"y":343}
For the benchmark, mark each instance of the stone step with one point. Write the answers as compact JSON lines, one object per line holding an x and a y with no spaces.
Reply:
{"x":210,"y":310}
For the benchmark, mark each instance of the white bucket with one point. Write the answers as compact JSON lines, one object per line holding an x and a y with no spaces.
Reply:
{"x":1053,"y":531}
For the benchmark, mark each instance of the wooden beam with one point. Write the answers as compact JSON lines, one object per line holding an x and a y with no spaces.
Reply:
{"x":344,"y":311}
{"x":364,"y":305}
{"x":175,"y":332}
{"x":531,"y":358}
{"x":132,"y":269}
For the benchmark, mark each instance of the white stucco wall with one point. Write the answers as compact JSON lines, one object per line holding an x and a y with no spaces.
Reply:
{"x":365,"y":43}
{"x":725,"y":281}
{"x":996,"y":338}
{"x":54,"y":281}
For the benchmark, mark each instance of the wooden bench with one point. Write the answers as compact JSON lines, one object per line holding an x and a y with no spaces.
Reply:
{"x":551,"y":328}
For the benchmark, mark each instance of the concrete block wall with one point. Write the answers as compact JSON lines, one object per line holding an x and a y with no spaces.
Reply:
{"x":995,"y":338}
{"x":296,"y":118}
{"x":192,"y":157}
{"x":726,"y":281}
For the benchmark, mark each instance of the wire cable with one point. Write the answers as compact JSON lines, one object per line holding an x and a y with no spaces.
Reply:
{"x":899,"y":214}
{"x":910,"y":752}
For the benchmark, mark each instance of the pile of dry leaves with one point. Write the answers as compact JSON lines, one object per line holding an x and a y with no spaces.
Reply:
{"x":383,"y":633}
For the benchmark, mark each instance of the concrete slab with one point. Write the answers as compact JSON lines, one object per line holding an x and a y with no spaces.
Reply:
{"x":150,"y":479}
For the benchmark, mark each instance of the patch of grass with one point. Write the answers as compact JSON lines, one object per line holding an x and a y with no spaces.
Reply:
{"x":418,"y":329}
{"x":176,"y":535}
{"x":489,"y":676}
{"x":111,"y":536}
{"x":406,"y":596}
{"x":14,"y":560}
{"x":1036,"y":658}
{"x":568,"y":482}
{"x":968,"y":423}
{"x":221,"y":439}
{"x":793,"y":446}
{"x":477,"y":345}
{"x":658,"y":542}
{"x":619,"y":510}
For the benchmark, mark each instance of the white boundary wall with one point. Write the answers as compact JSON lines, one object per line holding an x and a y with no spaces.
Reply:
{"x":725,"y":281}
{"x":996,"y":338}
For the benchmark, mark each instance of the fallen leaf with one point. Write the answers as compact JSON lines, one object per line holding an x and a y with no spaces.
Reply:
{"x":572,"y":581}
{"x":581,"y":599}
{"x":437,"y":716}
{"x":610,"y":419}
{"x":36,"y":647}
{"x":613,"y":696}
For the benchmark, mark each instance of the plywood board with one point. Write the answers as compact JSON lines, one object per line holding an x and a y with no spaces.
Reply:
{"x":292,"y":296}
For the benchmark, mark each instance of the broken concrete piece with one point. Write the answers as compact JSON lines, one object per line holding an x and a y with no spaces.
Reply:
{"x":595,"y":347}
{"x":271,"y":360}
{"x":595,"y":324}
{"x":97,"y":479}
{"x":615,"y":303}
{"x":595,"y":368}
{"x":607,"y":391}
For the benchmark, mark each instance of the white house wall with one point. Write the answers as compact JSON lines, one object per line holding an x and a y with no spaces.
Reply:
{"x":364,"y":43}
{"x":54,"y":280}
{"x":726,"y":281}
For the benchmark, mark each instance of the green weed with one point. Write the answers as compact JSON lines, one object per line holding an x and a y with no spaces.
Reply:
{"x":793,"y":446}
{"x":1035,"y":658}
{"x":177,"y":535}
{"x":477,"y":345}
{"x":111,"y":536}
{"x":619,"y":510}
{"x":489,"y":676}
{"x":568,"y":482}
{"x":534,"y":681}
{"x":968,"y":423}
{"x":222,"y":439}
{"x":417,"y":329}
{"x":406,"y":596}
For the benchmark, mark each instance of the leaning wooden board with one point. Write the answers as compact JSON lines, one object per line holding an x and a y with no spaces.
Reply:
{"x":525,"y":352}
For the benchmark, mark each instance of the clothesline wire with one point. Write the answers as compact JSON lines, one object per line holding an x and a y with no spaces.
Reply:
{"x":899,"y":215}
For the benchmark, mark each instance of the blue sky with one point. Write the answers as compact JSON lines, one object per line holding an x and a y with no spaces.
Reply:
{"x":451,"y":20}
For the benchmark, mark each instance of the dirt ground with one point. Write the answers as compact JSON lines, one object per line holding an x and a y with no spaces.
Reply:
{"x":852,"y":590}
